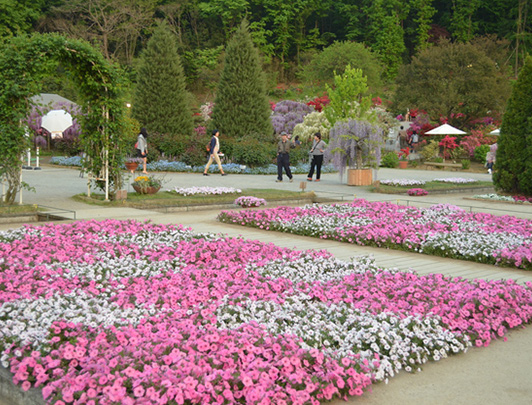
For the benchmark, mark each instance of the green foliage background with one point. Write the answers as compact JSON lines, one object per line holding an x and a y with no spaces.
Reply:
{"x":514,"y":153}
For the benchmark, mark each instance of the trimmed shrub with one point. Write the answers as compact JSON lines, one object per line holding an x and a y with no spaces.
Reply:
{"x":481,"y":152}
{"x":390,"y":160}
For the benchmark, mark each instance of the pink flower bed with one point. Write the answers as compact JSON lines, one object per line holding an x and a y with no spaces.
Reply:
{"x":442,"y":230}
{"x":127,"y":312}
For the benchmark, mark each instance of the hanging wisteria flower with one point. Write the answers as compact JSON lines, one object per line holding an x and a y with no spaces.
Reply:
{"x":249,"y":201}
{"x":417,"y":192}
{"x":457,"y":180}
{"x":402,"y":182}
{"x":206,"y":190}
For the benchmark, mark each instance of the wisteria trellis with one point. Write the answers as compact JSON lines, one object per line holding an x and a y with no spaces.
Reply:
{"x":128,"y":312}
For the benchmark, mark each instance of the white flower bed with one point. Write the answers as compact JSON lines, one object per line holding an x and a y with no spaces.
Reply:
{"x":402,"y":182}
{"x":457,"y":180}
{"x":205,"y":190}
{"x":494,"y":197}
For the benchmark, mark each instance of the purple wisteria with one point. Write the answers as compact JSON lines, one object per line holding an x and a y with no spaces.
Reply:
{"x":287,"y":114}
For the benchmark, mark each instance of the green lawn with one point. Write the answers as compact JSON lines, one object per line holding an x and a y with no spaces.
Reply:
{"x":16,"y":210}
{"x":166,"y":199}
{"x":434,"y":186}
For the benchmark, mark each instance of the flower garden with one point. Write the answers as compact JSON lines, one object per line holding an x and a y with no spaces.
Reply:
{"x":128,"y":312}
{"x":443,"y":230}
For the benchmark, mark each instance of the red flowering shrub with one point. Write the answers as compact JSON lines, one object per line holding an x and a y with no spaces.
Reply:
{"x":319,"y":102}
{"x":448,"y":143}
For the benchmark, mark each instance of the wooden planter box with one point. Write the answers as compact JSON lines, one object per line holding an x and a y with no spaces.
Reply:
{"x":359,"y":177}
{"x":120,"y":195}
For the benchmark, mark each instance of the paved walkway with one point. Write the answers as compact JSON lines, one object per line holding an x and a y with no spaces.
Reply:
{"x":501,"y":373}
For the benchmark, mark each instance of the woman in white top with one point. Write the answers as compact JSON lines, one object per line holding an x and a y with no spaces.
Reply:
{"x":142,"y":148}
{"x":214,"y":148}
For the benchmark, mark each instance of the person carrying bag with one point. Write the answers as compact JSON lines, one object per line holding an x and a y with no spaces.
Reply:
{"x":316,"y":156}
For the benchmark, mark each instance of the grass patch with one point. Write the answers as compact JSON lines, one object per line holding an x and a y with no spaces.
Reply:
{"x":171,"y":199}
{"x":430,"y":186}
{"x":17,"y":210}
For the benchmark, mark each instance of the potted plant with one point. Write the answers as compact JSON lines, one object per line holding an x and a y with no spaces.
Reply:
{"x":147,"y":184}
{"x":403,"y":158}
{"x":132,"y":163}
{"x":355,"y":145}
{"x":356,"y":136}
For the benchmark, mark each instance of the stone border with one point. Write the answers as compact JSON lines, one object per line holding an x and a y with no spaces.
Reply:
{"x":11,"y":394}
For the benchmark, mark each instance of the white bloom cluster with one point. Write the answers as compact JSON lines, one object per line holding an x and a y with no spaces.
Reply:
{"x":118,"y":267}
{"x":149,"y":239}
{"x":457,"y":180}
{"x":341,"y":330}
{"x":494,"y":197}
{"x":206,"y":190}
{"x":316,"y":225}
{"x":472,"y":242}
{"x":308,"y":269}
{"x":402,"y":182}
{"x":26,"y":321}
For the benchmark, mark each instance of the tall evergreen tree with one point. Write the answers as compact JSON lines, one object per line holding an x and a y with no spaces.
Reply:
{"x":514,"y":154}
{"x":161,"y":102}
{"x":241,"y":106}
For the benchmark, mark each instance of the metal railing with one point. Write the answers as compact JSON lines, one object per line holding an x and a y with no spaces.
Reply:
{"x":51,"y":213}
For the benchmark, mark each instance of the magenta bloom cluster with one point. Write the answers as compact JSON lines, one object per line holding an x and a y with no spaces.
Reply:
{"x":417,"y":192}
{"x":127,"y":312}
{"x":249,"y":201}
{"x":442,"y":230}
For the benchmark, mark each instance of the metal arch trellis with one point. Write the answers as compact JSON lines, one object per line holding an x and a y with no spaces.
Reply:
{"x":23,"y":61}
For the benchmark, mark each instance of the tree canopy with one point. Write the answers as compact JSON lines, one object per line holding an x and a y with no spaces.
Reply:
{"x":453,"y":80}
{"x":161,"y":102}
{"x":241,"y":107}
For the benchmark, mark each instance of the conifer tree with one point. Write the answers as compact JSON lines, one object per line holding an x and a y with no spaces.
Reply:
{"x":513,"y":165}
{"x":161,"y":102}
{"x":241,"y":106}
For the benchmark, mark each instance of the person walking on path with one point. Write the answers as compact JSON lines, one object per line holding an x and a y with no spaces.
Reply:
{"x":490,"y":158}
{"x":142,"y":148}
{"x":316,"y":156}
{"x":283,"y":157}
{"x":403,"y":136}
{"x":414,"y":141}
{"x":214,"y":149}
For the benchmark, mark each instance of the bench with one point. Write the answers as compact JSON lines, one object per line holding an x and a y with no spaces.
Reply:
{"x":454,"y":166}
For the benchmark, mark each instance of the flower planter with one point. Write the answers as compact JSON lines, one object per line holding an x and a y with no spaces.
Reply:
{"x":131,"y":166}
{"x":403,"y":164}
{"x":146,"y":190}
{"x":359,"y":177}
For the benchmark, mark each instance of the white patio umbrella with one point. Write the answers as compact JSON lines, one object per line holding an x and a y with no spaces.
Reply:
{"x":495,"y":132}
{"x":56,"y":121}
{"x":445,"y":129}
